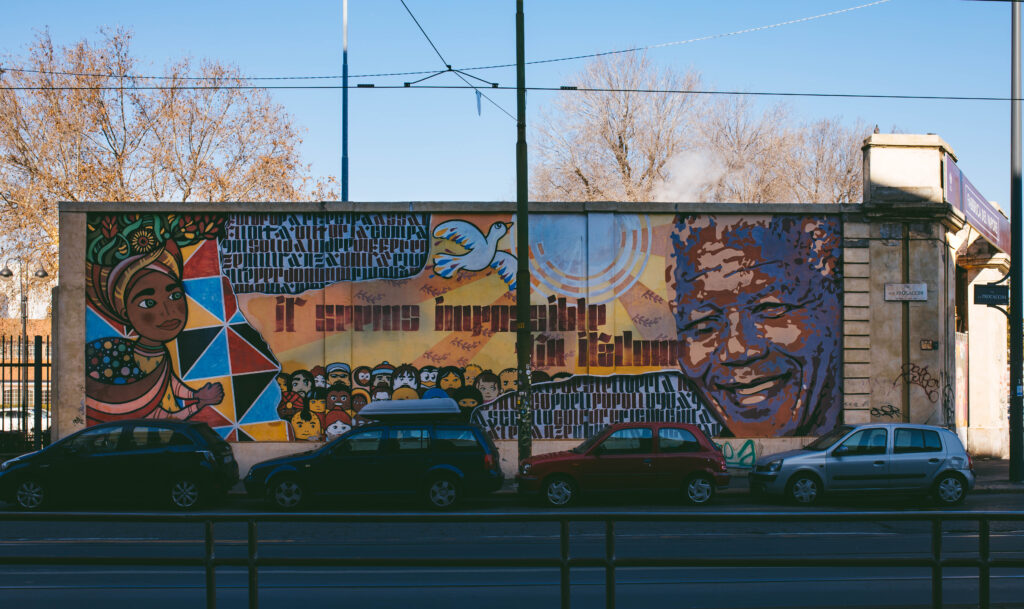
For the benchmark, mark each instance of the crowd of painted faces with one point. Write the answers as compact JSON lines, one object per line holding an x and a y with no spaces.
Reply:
{"x":325,"y":402}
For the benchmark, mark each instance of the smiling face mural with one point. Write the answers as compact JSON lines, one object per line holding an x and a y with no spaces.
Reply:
{"x":244,"y":320}
{"x":757,"y":312}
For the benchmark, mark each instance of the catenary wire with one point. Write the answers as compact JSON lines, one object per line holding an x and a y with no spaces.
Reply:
{"x":560,"y":89}
{"x":448,"y":66}
{"x":489,"y":67}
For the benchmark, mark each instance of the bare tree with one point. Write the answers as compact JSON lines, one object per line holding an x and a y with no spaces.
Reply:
{"x":625,"y":143}
{"x":825,"y":165}
{"x":753,"y":150}
{"x":613,"y":144}
{"x":77,"y":125}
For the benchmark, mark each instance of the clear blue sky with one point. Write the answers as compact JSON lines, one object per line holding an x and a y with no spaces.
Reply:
{"x":431,"y":145}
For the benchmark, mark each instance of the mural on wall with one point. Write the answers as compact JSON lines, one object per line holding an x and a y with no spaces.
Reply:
{"x":282,"y":326}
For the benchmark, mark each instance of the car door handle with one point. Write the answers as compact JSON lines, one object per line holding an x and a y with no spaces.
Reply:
{"x":933,"y":460}
{"x":647,"y":462}
{"x":879,"y":462}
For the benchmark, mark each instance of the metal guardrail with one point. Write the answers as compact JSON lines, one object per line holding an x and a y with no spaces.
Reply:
{"x":984,"y":562}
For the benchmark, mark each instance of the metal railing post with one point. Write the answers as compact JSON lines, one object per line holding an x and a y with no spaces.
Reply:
{"x":609,"y":568}
{"x":564,"y":543}
{"x":253,"y":587}
{"x":983,"y":570}
{"x":211,"y":581}
{"x":37,"y":382}
{"x":936,"y":563}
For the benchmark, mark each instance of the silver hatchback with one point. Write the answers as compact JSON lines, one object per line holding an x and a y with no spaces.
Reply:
{"x":896,"y":457}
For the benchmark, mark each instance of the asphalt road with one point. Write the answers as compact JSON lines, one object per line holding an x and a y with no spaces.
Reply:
{"x":128,"y":585}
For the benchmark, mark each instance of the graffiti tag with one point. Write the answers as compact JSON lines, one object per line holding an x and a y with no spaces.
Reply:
{"x":886,"y":410}
{"x":744,"y":456}
{"x":922,"y":377}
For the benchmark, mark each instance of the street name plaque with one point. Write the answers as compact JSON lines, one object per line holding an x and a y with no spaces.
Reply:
{"x":906,"y":291}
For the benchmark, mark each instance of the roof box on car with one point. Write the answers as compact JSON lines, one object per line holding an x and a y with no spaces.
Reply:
{"x":396,"y":410}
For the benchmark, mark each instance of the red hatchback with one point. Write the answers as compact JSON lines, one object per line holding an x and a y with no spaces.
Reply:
{"x":629,"y":457}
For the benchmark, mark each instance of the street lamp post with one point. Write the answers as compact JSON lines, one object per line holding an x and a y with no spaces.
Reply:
{"x":40,"y":273}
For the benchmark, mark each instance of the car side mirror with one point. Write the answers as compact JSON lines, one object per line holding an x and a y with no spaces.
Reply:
{"x":599,"y":450}
{"x":840,"y":451}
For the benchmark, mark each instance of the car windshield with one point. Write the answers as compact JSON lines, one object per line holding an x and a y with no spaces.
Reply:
{"x":582,"y":448}
{"x":826,"y":441}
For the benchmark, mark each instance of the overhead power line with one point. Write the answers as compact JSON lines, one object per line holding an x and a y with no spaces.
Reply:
{"x":488,"y":67}
{"x":561,"y":89}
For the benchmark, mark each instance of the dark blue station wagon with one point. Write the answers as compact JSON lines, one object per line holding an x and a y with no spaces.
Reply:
{"x":440,"y":462}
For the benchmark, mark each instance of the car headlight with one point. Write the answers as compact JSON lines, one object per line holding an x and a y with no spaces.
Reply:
{"x":525,"y":468}
{"x":774,"y":466}
{"x":6,"y":464}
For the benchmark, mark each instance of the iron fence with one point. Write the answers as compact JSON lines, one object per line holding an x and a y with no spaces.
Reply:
{"x":24,"y":393}
{"x":209,"y":561}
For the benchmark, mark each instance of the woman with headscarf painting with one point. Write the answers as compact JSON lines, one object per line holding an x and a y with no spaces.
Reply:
{"x":133,"y":277}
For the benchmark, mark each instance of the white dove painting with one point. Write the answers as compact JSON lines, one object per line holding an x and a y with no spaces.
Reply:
{"x":481,"y":251}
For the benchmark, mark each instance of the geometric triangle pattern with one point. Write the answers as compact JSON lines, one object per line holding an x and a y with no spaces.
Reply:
{"x":244,"y":357}
{"x":214,"y":361}
{"x":203,"y":262}
{"x":191,"y":344}
{"x":208,"y":293}
{"x":198,"y":316}
{"x":97,"y":326}
{"x":264,"y":408}
{"x":251,"y":336}
{"x":211,"y":417}
{"x":248,"y":388}
{"x":228,"y":297}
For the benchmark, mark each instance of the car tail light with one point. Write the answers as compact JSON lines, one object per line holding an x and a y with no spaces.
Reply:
{"x":970,"y":463}
{"x":722,"y":467}
{"x":488,"y":460}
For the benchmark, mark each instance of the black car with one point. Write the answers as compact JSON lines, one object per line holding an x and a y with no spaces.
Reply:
{"x":441,"y":461}
{"x":180,"y":463}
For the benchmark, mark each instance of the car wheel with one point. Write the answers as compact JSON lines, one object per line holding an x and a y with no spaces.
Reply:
{"x":949,"y":489}
{"x":30,"y":494}
{"x":186,"y":493}
{"x":804,"y":489}
{"x":560,"y":491}
{"x":443,"y":493}
{"x":286,"y":494}
{"x":699,"y":490}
